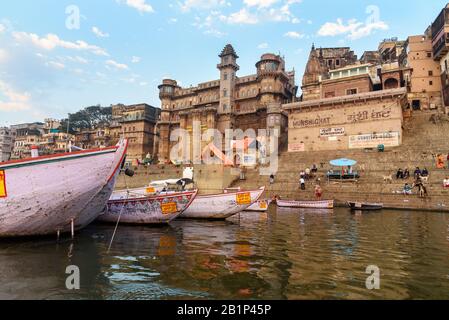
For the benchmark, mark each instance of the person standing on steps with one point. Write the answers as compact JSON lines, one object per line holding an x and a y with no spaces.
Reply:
{"x":272,"y":179}
{"x":302,"y":183}
{"x":318,"y":192}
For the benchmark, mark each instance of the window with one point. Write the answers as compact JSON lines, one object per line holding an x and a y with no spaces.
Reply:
{"x":225,"y":93}
{"x":337,"y":62}
{"x":351,"y":91}
{"x":431,"y":83}
{"x":225,"y":76}
{"x":429,"y":54}
{"x":430,"y":73}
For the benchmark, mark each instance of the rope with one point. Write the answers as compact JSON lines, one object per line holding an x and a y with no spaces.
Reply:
{"x":120,"y":215}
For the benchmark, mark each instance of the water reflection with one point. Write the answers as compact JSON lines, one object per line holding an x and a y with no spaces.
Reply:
{"x":283,"y":254}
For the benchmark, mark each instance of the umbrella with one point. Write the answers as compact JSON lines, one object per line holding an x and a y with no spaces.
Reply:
{"x":343,"y":162}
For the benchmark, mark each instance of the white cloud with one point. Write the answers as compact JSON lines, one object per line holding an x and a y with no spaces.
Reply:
{"x":293,"y":35}
{"x":172,"y":20}
{"x":15,"y":101}
{"x":207,"y":25}
{"x":353,"y":29}
{"x":136,"y":59}
{"x":55,"y":64}
{"x":99,"y":33}
{"x":260,"y":3}
{"x":78,"y":59}
{"x":2,"y":28}
{"x":262,"y":46}
{"x":188,"y":5}
{"x":116,"y":65}
{"x":241,"y":17}
{"x":139,"y":5}
{"x":143,"y":83}
{"x":52,"y":41}
{"x":4,"y":56}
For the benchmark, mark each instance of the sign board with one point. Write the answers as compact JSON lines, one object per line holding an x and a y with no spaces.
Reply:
{"x":3,"y":193}
{"x":150,"y":190}
{"x":388,"y":139}
{"x":296,"y":147}
{"x":332,"y":132}
{"x":169,"y":207}
{"x":243,"y":198}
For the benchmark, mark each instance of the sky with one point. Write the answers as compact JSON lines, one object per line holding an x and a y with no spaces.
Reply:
{"x":58,"y":56}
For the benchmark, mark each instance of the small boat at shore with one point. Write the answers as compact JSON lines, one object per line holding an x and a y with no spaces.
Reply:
{"x":133,"y":208}
{"x":57,"y":193}
{"x":322,"y":204}
{"x":221,"y":206}
{"x":365,"y":206}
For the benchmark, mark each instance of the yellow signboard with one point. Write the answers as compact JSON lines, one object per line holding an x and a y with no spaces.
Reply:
{"x":243,"y":198}
{"x":3,"y":192}
{"x":263,"y":205}
{"x":169,"y":207}
{"x":150,"y":190}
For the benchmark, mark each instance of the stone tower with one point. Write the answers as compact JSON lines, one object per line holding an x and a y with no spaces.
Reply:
{"x":166,"y":94}
{"x":228,"y":67}
{"x":315,"y":70}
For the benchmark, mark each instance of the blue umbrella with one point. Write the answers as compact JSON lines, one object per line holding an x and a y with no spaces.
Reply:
{"x":343,"y":163}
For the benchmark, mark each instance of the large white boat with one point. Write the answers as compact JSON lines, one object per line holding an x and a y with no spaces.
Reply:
{"x":222,"y":206}
{"x":57,"y":193}
{"x":135,"y":207}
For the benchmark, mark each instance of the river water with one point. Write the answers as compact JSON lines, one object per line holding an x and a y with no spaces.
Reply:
{"x":283,"y":254}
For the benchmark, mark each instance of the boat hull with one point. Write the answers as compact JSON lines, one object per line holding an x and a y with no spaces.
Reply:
{"x":160,"y":209}
{"x":259,"y":206}
{"x":325,"y":204}
{"x":45,"y":195}
{"x":221,"y":206}
{"x":365,"y":206}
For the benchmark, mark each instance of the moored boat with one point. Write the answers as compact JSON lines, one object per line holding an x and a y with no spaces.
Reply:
{"x":365,"y":206}
{"x":57,"y":193}
{"x":153,"y":209}
{"x":221,"y":206}
{"x":321,"y":204}
{"x":259,"y":206}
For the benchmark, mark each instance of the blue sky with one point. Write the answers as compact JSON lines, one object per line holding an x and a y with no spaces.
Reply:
{"x":118,"y":51}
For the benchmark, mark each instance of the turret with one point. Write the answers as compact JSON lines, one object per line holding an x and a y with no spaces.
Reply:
{"x":228,"y":68}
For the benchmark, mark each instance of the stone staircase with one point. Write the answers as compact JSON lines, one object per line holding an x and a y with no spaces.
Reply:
{"x":422,"y":140}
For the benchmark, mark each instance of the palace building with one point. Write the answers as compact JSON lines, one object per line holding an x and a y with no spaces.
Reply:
{"x":230,"y":102}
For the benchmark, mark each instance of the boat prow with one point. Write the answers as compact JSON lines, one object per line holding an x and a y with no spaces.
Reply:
{"x":58,"y":193}
{"x":153,"y":209}
{"x":365,"y":206}
{"x":222,"y":206}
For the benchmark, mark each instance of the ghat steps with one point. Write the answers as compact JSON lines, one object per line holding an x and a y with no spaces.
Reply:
{"x":423,"y":138}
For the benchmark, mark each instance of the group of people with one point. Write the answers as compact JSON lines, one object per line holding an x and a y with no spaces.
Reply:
{"x":422,"y":190}
{"x":306,"y":175}
{"x":405,"y":174}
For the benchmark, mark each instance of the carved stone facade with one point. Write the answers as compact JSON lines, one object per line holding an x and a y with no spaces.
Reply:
{"x":230,"y":102}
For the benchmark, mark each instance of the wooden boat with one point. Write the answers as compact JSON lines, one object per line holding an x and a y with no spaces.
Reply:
{"x":259,"y":206}
{"x":324,"y":204}
{"x":365,"y":206}
{"x":57,"y":193}
{"x":154,"y":209}
{"x":221,"y":206}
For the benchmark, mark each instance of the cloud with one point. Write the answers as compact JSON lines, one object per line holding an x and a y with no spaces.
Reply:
{"x":139,"y":5}
{"x":136,"y":59}
{"x":99,"y":33}
{"x":257,"y":11}
{"x":353,"y":28}
{"x":263,"y":46}
{"x":188,"y":5}
{"x":52,"y":41}
{"x":2,"y":28}
{"x":15,"y":101}
{"x":78,"y":59}
{"x":172,"y":20}
{"x":207,"y":25}
{"x":116,"y":65}
{"x":293,"y":35}
{"x":260,"y":3}
{"x":55,"y":64}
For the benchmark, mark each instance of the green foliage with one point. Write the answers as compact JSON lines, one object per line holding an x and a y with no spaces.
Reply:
{"x":88,"y":118}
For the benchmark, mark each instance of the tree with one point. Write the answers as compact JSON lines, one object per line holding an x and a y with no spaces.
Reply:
{"x":88,"y":118}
